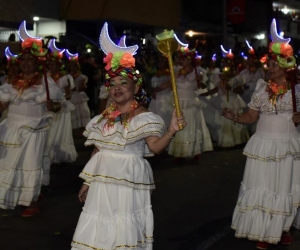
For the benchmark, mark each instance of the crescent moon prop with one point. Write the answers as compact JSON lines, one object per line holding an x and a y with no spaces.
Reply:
{"x":250,"y":47}
{"x":107,"y":45}
{"x":23,"y":34}
{"x":214,"y":57}
{"x":225,"y":52}
{"x":70,"y":55}
{"x":8,"y":54}
{"x":53,"y":47}
{"x":274,"y":35}
{"x":185,"y":45}
{"x":122,"y":42}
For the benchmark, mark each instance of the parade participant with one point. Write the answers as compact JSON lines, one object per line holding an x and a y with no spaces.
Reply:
{"x":81,"y":115}
{"x":270,"y":191}
{"x":245,"y":82}
{"x":118,"y":179}
{"x":224,"y":132}
{"x":60,"y":144}
{"x":12,"y":71}
{"x":195,"y":138}
{"x":158,"y":99}
{"x":24,"y":167}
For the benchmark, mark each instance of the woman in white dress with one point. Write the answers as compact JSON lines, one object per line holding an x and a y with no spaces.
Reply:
{"x":12,"y":71}
{"x":118,"y":179}
{"x":24,"y":167}
{"x":270,"y":191}
{"x":158,"y":99}
{"x":195,"y":139}
{"x":60,"y":144}
{"x":224,"y":131}
{"x":81,"y":115}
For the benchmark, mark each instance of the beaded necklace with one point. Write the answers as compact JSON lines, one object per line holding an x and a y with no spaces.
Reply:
{"x":112,"y":115}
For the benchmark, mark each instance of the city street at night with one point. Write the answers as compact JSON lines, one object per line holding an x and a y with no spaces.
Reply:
{"x":192,"y":205}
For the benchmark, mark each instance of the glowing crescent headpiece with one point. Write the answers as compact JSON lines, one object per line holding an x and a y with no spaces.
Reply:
{"x":119,"y":58}
{"x":280,"y":49}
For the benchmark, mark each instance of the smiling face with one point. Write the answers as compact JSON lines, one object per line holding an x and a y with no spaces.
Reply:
{"x":122,"y":90}
{"x":28,"y":64}
{"x":275,"y":72}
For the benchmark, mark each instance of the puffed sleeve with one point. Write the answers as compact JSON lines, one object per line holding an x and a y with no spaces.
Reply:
{"x":256,"y":98}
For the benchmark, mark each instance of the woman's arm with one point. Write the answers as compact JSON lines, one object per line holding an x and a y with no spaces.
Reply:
{"x":248,"y":117}
{"x":158,"y":144}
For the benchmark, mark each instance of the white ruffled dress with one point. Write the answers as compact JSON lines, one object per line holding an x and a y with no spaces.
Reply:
{"x":226,"y":133}
{"x":24,"y":167}
{"x":270,"y":191}
{"x":81,"y":115}
{"x":4,"y":113}
{"x":117,"y":213}
{"x":60,"y":144}
{"x":195,"y":137}
{"x":156,"y":105}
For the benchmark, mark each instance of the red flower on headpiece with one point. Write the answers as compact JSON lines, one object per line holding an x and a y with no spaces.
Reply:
{"x":127,"y":61}
{"x":107,"y":60}
{"x":28,"y":43}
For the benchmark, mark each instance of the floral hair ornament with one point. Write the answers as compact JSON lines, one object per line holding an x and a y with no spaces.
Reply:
{"x":30,"y":44}
{"x":33,"y":46}
{"x":11,"y":58}
{"x":119,"y":58}
{"x":280,"y":50}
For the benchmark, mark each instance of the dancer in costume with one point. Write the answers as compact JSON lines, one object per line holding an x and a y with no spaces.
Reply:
{"x":118,"y":179}
{"x":222,"y":130}
{"x":195,"y":138}
{"x":12,"y":71}
{"x":81,"y":115}
{"x":24,"y":167}
{"x":60,"y":144}
{"x":270,"y":191}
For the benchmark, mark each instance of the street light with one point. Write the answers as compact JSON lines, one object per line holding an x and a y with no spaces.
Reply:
{"x":36,"y":18}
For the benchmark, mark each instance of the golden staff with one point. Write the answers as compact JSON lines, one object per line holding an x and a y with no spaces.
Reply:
{"x":167,"y":45}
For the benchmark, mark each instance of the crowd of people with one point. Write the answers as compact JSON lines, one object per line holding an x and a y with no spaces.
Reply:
{"x":48,"y":95}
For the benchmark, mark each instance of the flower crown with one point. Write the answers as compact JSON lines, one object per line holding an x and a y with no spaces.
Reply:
{"x":280,"y":50}
{"x":119,"y":58}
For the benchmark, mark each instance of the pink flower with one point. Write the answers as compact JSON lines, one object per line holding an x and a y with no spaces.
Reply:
{"x":107,"y":60}
{"x":127,"y":60}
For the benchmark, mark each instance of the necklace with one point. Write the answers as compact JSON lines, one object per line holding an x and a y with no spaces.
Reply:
{"x":21,"y":84}
{"x":276,"y":91}
{"x":112,"y":115}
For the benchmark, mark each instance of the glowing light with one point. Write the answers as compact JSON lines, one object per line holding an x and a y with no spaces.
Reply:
{"x":185,"y":45}
{"x":214,"y":57}
{"x":107,"y":45}
{"x":23,"y":34}
{"x":226,"y":69}
{"x":36,"y":18}
{"x":223,"y":50}
{"x":70,"y":55}
{"x":8,"y":54}
{"x":191,"y":33}
{"x":285,"y":10}
{"x":53,"y":47}
{"x":89,"y":50}
{"x":144,"y":41}
{"x":281,"y":34}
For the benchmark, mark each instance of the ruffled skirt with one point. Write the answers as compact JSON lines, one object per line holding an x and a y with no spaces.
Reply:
{"x":115,"y":217}
{"x":60,"y":144}
{"x":81,"y":115}
{"x":23,"y":170}
{"x":195,"y":137}
{"x":268,"y":199}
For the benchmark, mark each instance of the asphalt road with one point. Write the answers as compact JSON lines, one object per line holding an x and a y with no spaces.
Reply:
{"x":192,"y":205}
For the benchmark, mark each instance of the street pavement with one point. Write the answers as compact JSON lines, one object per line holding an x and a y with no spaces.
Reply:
{"x":192,"y":205}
